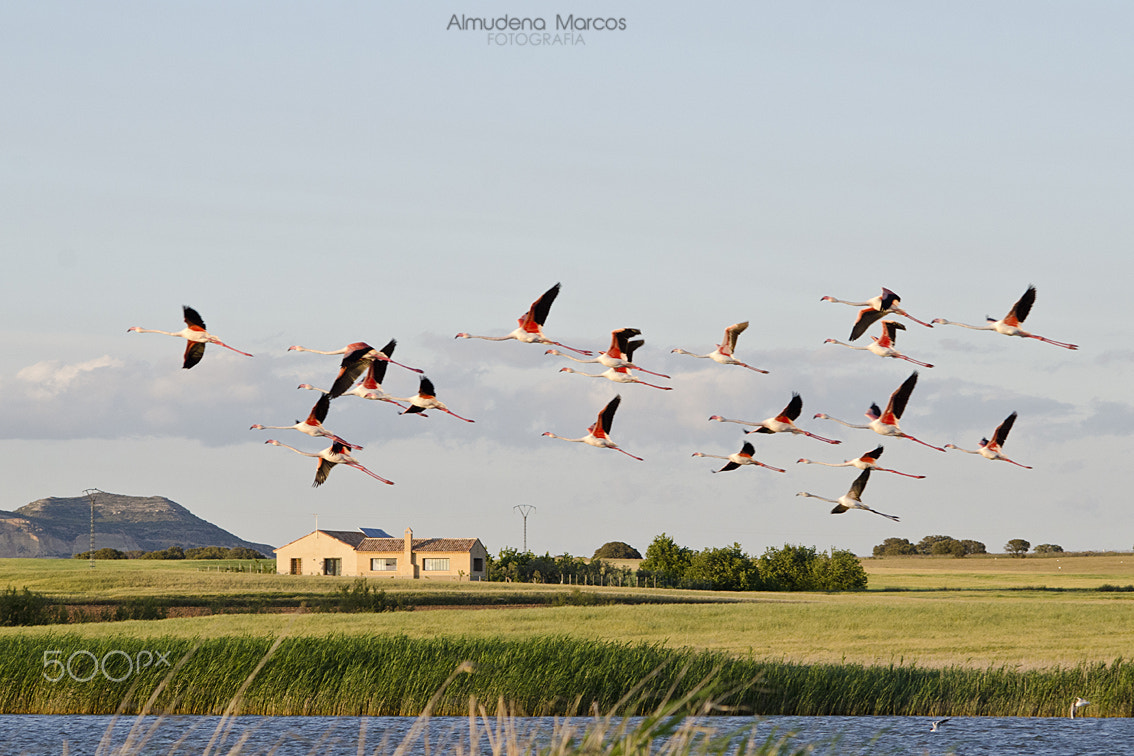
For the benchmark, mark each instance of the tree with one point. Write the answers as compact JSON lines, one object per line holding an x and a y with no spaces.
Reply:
{"x":616,"y":550}
{"x":895,"y":547}
{"x":840,"y":572}
{"x":724,"y":569}
{"x":949,"y":547}
{"x":925,"y":545}
{"x":1048,"y":548}
{"x":1017,"y":547}
{"x":664,"y":556}
{"x":789,"y":568}
{"x":973,"y":547}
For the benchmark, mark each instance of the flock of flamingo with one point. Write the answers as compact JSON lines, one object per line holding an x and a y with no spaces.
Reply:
{"x":363,"y":368}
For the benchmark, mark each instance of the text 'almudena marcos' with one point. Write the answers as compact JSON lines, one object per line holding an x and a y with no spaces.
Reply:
{"x":508,"y":23}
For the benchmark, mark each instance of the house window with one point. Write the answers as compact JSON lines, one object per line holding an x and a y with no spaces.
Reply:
{"x":332,"y":566}
{"x":435,"y":565}
{"x":382,"y":564}
{"x":477,"y":564}
{"x":296,"y":567}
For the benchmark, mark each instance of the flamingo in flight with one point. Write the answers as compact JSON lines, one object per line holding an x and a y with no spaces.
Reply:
{"x":1009,"y":325}
{"x":369,"y":388}
{"x":724,"y":351}
{"x":886,"y":423}
{"x":781,"y":423}
{"x":1077,"y":704}
{"x":531,"y":325}
{"x":357,"y":360}
{"x":991,"y":449}
{"x":876,"y":307}
{"x":619,"y":354}
{"x":313,"y":425}
{"x":742,"y":457}
{"x":852,"y":499}
{"x":426,"y":399}
{"x":883,"y":345}
{"x":335,"y":454}
{"x":194,"y":333}
{"x":360,"y":350}
{"x":599,"y":432}
{"x":868,"y":461}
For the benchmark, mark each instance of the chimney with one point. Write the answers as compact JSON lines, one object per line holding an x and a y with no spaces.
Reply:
{"x":409,"y":547}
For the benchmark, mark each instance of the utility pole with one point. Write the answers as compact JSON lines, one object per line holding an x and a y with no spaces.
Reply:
{"x":91,"y":494}
{"x":525,"y":510}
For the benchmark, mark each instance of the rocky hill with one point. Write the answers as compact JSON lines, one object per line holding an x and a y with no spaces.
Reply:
{"x":61,"y":527}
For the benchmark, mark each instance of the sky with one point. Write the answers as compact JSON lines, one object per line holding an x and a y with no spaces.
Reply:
{"x":325,"y":173}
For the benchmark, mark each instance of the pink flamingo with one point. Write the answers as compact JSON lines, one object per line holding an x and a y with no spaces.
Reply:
{"x":851,"y":499}
{"x":335,"y":454}
{"x":883,"y":345}
{"x":313,"y":425}
{"x":531,"y":325}
{"x":742,"y":457}
{"x":358,"y":356}
{"x":598,"y":434}
{"x":991,"y":449}
{"x":724,"y":351}
{"x":426,"y":399}
{"x":867,"y":461}
{"x":194,"y":333}
{"x":781,"y":423}
{"x":619,"y":354}
{"x":369,"y":388}
{"x":1009,"y":325}
{"x":876,"y":307}
{"x":886,"y":423}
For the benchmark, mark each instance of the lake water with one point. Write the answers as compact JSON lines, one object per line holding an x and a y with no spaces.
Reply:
{"x":311,"y":736}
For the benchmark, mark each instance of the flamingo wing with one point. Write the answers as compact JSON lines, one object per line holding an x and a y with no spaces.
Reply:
{"x":872,"y":456}
{"x":631,"y":347}
{"x":537,"y":313}
{"x":606,"y":416}
{"x":1002,"y":430}
{"x":889,"y":299}
{"x":731,"y":334}
{"x":793,"y":408}
{"x":747,"y":450}
{"x":319,"y":412}
{"x":1022,"y":307}
{"x":194,"y":351}
{"x":322,"y":471}
{"x":426,"y":388}
{"x":866,"y":318}
{"x":859,"y":485}
{"x":193,"y":318}
{"x":354,"y":364}
{"x":619,"y":339}
{"x":900,"y":397}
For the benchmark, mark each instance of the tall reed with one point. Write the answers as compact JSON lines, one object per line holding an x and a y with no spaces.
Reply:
{"x":397,"y":675}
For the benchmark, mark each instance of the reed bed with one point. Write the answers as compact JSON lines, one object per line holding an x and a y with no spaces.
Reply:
{"x":398,"y":675}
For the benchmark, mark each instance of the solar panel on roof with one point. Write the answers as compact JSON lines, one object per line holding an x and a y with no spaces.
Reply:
{"x":375,"y":533}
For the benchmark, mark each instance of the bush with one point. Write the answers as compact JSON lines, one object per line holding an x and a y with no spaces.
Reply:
{"x":1017,"y":547}
{"x":616,"y":550}
{"x":1048,"y":548}
{"x":102,"y":554}
{"x":895,"y":547}
{"x":21,"y":608}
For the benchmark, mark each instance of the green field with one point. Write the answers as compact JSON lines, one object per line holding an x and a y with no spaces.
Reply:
{"x":933,"y":612}
{"x":931,"y":636}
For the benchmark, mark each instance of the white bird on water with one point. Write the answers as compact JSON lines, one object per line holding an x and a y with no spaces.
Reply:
{"x":1077,"y":704}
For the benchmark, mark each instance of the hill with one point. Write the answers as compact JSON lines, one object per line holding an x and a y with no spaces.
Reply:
{"x":60,"y":527}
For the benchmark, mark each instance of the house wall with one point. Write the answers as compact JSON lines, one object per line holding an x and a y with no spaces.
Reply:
{"x":313,"y":549}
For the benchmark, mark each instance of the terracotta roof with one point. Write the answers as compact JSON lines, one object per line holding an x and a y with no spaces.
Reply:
{"x":398,"y":545}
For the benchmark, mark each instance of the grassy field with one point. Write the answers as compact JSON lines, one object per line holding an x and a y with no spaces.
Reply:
{"x":932,"y":636}
{"x":1032,"y":613}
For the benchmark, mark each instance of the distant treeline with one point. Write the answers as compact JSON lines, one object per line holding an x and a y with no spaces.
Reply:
{"x":176,"y":552}
{"x":792,"y":568}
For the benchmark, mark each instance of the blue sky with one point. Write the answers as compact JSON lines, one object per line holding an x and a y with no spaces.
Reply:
{"x":323,"y":174}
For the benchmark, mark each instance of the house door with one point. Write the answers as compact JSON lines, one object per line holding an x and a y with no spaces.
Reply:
{"x":296,"y":567}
